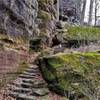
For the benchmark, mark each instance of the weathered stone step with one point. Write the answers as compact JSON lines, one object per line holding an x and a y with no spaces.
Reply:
{"x":40,"y":92}
{"x":39,"y":84}
{"x":28,"y":81}
{"x":21,"y":96}
{"x":22,"y":84}
{"x":27,"y":73}
{"x":35,"y":83}
{"x":34,"y":67}
{"x":26,"y":76}
{"x":32,"y":71}
{"x":20,"y":90}
{"x":34,"y":92}
{"x":26,"y":85}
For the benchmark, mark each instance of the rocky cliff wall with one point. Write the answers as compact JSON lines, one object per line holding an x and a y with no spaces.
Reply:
{"x":46,"y":19}
{"x":17,"y":16}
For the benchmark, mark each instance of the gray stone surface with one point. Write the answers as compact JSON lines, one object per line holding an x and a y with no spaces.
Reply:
{"x":17,"y":16}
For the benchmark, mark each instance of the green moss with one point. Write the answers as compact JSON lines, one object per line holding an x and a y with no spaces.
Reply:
{"x":86,"y":33}
{"x":82,"y":63}
{"x":73,"y":72}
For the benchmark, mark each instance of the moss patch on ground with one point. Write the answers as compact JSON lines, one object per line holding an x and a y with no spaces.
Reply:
{"x":75,"y":73}
{"x":85,"y":33}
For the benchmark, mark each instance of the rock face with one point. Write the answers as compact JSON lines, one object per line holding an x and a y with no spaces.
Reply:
{"x":17,"y":16}
{"x":73,"y":75}
{"x":47,"y":18}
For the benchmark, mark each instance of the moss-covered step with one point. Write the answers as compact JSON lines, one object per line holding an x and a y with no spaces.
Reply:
{"x":73,"y":75}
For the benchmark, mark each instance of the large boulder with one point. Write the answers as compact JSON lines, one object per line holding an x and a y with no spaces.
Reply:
{"x":73,"y":75}
{"x":17,"y":16}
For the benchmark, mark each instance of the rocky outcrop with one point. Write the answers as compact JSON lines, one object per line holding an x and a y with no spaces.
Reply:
{"x":17,"y":16}
{"x":73,"y":75}
{"x":46,"y":20}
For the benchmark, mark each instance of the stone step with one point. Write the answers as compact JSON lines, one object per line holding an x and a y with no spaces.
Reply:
{"x":35,"y":83}
{"x":33,"y":66}
{"x":13,"y":94}
{"x":22,"y":84}
{"x":26,"y":85}
{"x":20,"y":90}
{"x":26,"y":76}
{"x":39,"y":84}
{"x":21,"y":96}
{"x":28,"y":81}
{"x":27,"y":73}
{"x":32,"y":71}
{"x":40,"y":92}
{"x":34,"y":92}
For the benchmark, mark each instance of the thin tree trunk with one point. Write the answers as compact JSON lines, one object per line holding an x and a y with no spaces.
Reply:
{"x":90,"y":12}
{"x":83,"y":12}
{"x":96,"y":9}
{"x":95,"y":15}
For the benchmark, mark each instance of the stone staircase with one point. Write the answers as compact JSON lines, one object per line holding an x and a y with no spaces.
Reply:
{"x":29,"y":86}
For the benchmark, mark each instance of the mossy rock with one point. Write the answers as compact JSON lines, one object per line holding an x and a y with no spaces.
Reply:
{"x":43,"y":3}
{"x":45,"y":16}
{"x":76,"y":74}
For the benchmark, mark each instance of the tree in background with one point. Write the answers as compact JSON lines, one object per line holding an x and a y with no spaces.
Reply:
{"x":83,"y":12}
{"x":90,"y":12}
{"x":97,"y":6}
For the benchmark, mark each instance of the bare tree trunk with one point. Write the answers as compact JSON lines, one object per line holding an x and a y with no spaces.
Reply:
{"x":96,"y":9}
{"x":90,"y":12}
{"x":83,"y":12}
{"x":95,"y":12}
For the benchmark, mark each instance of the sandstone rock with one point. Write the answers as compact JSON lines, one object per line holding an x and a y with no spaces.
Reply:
{"x":17,"y":16}
{"x":73,"y":75}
